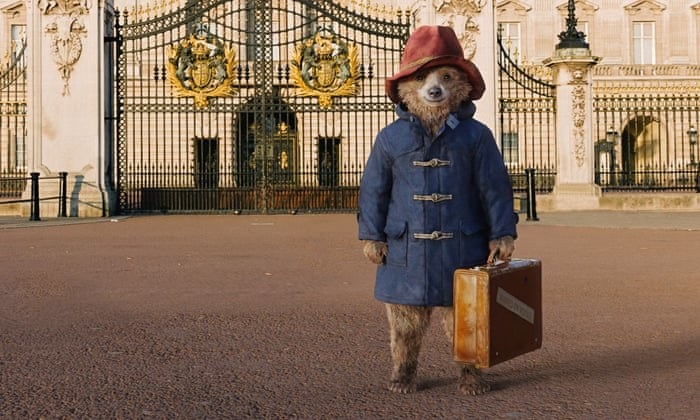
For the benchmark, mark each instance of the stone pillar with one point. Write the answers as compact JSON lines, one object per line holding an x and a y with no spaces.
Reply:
{"x":474,"y":23}
{"x":66,"y":103}
{"x":574,"y":187}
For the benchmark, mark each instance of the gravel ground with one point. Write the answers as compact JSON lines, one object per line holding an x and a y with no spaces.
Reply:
{"x":273,"y":317}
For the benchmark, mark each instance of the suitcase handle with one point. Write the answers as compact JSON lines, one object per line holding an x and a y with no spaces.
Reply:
{"x":497,"y":263}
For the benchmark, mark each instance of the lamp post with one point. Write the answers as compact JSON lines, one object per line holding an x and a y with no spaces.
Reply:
{"x":605,"y":158}
{"x":693,"y":140}
{"x":611,"y":135}
{"x":611,"y":138}
{"x":575,"y":184}
{"x":572,"y":37}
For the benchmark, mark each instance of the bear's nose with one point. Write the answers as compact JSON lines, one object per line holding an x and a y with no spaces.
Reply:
{"x":435,"y":92}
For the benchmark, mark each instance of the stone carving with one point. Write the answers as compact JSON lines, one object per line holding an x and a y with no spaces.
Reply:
{"x":466,"y":10}
{"x":467,"y":37}
{"x":578,"y":102}
{"x":459,"y":6}
{"x":65,"y":29}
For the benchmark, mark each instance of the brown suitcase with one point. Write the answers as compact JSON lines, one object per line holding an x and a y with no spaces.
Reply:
{"x":497,"y":312}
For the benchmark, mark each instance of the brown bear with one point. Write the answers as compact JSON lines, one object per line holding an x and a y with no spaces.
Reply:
{"x":435,"y":196}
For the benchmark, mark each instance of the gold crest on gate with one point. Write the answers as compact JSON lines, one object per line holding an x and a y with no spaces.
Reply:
{"x":201,"y":66}
{"x":325,"y":66}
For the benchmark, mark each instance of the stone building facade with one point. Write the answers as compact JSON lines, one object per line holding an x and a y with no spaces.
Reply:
{"x":640,"y":47}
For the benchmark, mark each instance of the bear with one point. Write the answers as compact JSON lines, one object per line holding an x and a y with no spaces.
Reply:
{"x":434,"y":196}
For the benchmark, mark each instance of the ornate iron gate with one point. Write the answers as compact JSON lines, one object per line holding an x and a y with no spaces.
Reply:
{"x":258,"y":105}
{"x":13,"y":123}
{"x":647,"y":135}
{"x":526,"y":122}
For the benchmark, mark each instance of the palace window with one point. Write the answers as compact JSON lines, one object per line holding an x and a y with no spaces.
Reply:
{"x":328,"y":161}
{"x":20,"y":153}
{"x":582,"y":26}
{"x":510,"y":36}
{"x":643,"y":40}
{"x":18,"y":35}
{"x":509,"y":148}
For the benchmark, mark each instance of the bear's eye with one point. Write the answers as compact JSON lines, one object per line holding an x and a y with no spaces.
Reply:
{"x":420,"y":76}
{"x":446,"y":76}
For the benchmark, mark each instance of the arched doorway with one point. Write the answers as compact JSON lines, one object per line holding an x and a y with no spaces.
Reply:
{"x":643,"y":144}
{"x":266,"y":141}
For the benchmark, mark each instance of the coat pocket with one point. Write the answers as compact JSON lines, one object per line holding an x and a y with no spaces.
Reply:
{"x":397,"y":243}
{"x":473,"y":245}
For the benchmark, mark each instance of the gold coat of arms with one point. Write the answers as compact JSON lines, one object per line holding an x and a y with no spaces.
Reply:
{"x":201,"y":66}
{"x":325,"y":66}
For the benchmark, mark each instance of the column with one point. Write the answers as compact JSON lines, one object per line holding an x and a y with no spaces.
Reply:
{"x":66,"y":103}
{"x":571,"y":63}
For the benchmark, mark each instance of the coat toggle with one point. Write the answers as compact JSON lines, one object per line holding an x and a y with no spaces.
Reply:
{"x":435,"y":235}
{"x":432,"y":163}
{"x":434,"y":197}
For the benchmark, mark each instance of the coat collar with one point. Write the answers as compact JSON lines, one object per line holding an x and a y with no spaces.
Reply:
{"x":465,"y":111}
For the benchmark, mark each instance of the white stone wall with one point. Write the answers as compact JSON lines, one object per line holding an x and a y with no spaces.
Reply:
{"x":66,"y":129}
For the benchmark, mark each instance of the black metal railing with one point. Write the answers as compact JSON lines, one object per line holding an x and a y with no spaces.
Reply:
{"x":12,"y":184}
{"x":10,"y":187}
{"x":646,"y":135}
{"x":267,"y":144}
{"x":13,"y":120}
{"x":526,"y":124}
{"x":651,"y":179}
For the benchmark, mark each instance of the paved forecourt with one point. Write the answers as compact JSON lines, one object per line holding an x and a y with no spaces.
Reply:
{"x":229,"y":316}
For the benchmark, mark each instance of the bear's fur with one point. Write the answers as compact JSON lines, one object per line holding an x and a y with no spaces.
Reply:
{"x":431,"y":95}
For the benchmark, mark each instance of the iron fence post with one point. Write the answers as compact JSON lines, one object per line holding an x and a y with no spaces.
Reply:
{"x":35,"y":197}
{"x":531,"y":204}
{"x":62,"y":197}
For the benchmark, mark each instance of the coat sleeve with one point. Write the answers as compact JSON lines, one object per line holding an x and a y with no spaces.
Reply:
{"x":495,"y":187}
{"x":375,"y":194}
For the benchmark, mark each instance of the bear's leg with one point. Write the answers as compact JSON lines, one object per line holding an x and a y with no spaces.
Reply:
{"x":407,"y":325}
{"x":470,"y":380}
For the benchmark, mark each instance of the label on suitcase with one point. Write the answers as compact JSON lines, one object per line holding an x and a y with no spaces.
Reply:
{"x":498,"y":312}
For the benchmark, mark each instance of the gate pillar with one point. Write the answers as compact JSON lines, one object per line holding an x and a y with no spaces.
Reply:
{"x":67,"y":101}
{"x":574,"y":187}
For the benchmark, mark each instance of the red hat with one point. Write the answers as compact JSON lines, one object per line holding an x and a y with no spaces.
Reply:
{"x":432,"y":46}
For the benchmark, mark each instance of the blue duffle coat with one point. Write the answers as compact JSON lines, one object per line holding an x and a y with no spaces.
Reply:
{"x":436,"y":202}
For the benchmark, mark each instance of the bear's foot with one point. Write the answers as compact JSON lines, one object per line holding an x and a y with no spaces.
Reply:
{"x":471,"y":382}
{"x":402,"y":387}
{"x":403,"y":379}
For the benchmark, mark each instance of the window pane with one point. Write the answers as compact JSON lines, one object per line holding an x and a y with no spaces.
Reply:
{"x":20,"y":153}
{"x":509,"y":146}
{"x":18,"y":32}
{"x":643,"y":40}
{"x":648,"y":56}
{"x":510,"y":34}
{"x":637,"y":29}
{"x":583,"y":27}
{"x":638,"y":52}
